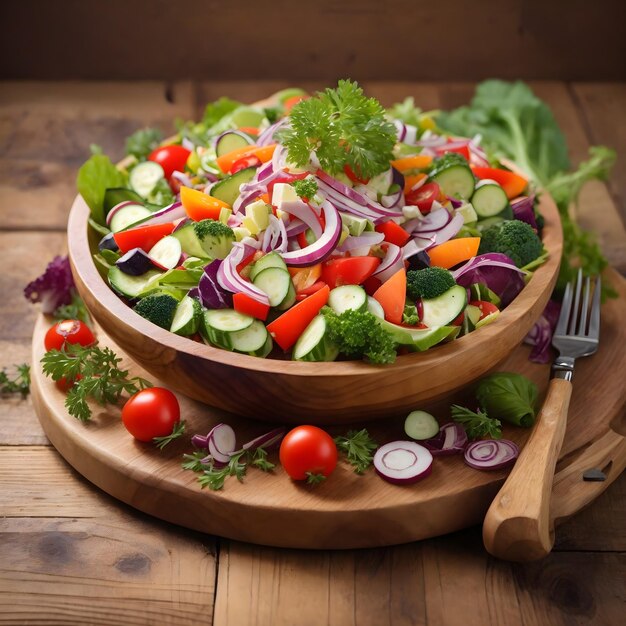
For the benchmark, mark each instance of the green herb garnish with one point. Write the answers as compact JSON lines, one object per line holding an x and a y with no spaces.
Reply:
{"x":509,"y":396}
{"x":343,"y":127}
{"x":96,"y":375}
{"x":359,"y":448}
{"x":305,"y":188}
{"x":20,"y":383}
{"x":161,"y":442}
{"x":476,"y":424}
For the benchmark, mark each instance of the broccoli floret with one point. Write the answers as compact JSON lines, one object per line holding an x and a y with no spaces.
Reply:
{"x":357,"y":334}
{"x":305,"y":188}
{"x":212,"y":228}
{"x":409,"y":315}
{"x":158,"y":309}
{"x":447,"y":160}
{"x":216,"y":238}
{"x":514,"y":238}
{"x":428,"y":283}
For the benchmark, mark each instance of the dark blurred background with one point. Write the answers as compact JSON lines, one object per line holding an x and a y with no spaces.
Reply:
{"x":364,"y":39}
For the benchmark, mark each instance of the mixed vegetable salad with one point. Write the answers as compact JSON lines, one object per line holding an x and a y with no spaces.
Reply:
{"x":323,"y":227}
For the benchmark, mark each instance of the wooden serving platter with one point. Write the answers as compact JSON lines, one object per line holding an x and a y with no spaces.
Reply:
{"x":347,"y":511}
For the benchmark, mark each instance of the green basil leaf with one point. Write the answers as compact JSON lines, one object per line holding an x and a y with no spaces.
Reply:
{"x":509,"y":397}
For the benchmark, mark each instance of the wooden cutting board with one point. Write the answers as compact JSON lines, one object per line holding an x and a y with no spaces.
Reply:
{"x":347,"y":511}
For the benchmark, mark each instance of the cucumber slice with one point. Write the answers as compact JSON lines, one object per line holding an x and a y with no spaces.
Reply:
{"x":166,"y":252}
{"x":231,"y":140}
{"x":487,"y":319}
{"x":445,"y":308}
{"x":273,"y":259}
{"x":375,"y":308}
{"x":189,"y":241}
{"x":227,"y":190}
{"x":419,"y":339}
{"x":130,"y":286}
{"x":290,"y":298}
{"x":251,"y":339}
{"x":187,"y":317}
{"x":144,"y":176}
{"x":125,"y":214}
{"x":220,"y":324}
{"x":275,"y":282}
{"x":487,"y":222}
{"x":267,"y":347}
{"x":456,"y":181}
{"x":420,"y":425}
{"x":314,"y":343}
{"x":489,"y":199}
{"x":347,"y":297}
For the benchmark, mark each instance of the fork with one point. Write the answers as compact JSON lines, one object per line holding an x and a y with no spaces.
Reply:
{"x":517,"y":526}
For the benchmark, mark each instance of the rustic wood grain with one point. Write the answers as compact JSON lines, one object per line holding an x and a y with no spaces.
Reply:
{"x":397,"y":39}
{"x":447,"y":581}
{"x":320,"y":393}
{"x":46,"y":130}
{"x":602,"y":107}
{"x":105,"y":571}
{"x":376,"y":513}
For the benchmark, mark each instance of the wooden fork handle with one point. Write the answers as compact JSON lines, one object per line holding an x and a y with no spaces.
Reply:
{"x":518,"y":525}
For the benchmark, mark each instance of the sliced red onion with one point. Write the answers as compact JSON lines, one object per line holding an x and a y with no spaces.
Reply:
{"x":301,"y":210}
{"x":451,"y":439}
{"x":279,"y":158}
{"x":295,"y":227}
{"x":431,"y":140}
{"x":449,"y":231}
{"x":182,"y":178}
{"x":452,"y":146}
{"x":523,"y":210}
{"x":392,"y":200}
{"x":229,"y":278}
{"x":266,"y":138}
{"x":200,"y":441}
{"x":365,"y":240}
{"x":429,"y":223}
{"x":341,"y":188}
{"x":266,"y":440}
{"x":411,"y":134}
{"x":456,"y":204}
{"x":223,"y":438}
{"x":400,"y":130}
{"x":491,"y":454}
{"x":390,"y":264}
{"x":491,"y":259}
{"x":403,"y":462}
{"x":416,"y":245}
{"x":187,"y":144}
{"x":325,"y":244}
{"x":234,"y":220}
{"x":167,"y":214}
{"x":275,"y":236}
{"x":212,"y":294}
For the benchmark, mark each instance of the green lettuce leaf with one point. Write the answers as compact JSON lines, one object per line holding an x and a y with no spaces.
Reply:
{"x":95,"y":176}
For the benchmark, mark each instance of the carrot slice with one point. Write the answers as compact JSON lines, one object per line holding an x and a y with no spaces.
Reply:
{"x":418,"y":162}
{"x":512,"y":183}
{"x":455,"y":251}
{"x":291,"y":324}
{"x":391,"y":295}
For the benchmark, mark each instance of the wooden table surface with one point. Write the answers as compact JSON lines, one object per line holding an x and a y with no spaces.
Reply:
{"x":69,"y":554}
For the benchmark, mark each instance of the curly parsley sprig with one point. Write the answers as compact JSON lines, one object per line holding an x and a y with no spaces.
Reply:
{"x":343,"y":127}
{"x":359,"y":448}
{"x":96,"y":375}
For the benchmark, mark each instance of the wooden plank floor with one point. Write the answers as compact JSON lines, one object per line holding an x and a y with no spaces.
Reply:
{"x":71,"y":555}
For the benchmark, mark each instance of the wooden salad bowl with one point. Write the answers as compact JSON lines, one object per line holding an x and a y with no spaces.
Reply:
{"x":298,"y":392}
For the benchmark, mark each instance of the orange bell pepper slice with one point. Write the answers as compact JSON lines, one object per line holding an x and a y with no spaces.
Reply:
{"x":418,"y":162}
{"x":201,"y":206}
{"x":455,"y":251}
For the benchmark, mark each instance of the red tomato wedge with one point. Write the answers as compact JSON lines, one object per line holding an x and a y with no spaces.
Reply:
{"x":246,"y":305}
{"x":291,"y":324}
{"x":357,"y":179}
{"x":512,"y":183}
{"x":309,"y":291}
{"x":393,"y":233}
{"x":144,"y":237}
{"x":201,"y":206}
{"x":304,"y":277}
{"x":171,"y":158}
{"x":460,"y":147}
{"x":349,"y":271}
{"x":391,"y":295}
{"x":486,"y":308}
{"x":424,"y":196}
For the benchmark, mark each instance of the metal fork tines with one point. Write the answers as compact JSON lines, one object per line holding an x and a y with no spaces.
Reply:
{"x":577,"y":332}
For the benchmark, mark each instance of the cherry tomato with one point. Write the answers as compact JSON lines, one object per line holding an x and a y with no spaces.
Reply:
{"x":424,"y":196}
{"x":244,"y":162}
{"x":171,"y":158}
{"x":486,"y":308}
{"x":307,"y":450}
{"x":65,"y":384}
{"x":144,"y":237}
{"x":151,"y":413}
{"x":349,"y":271}
{"x":68,"y":331}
